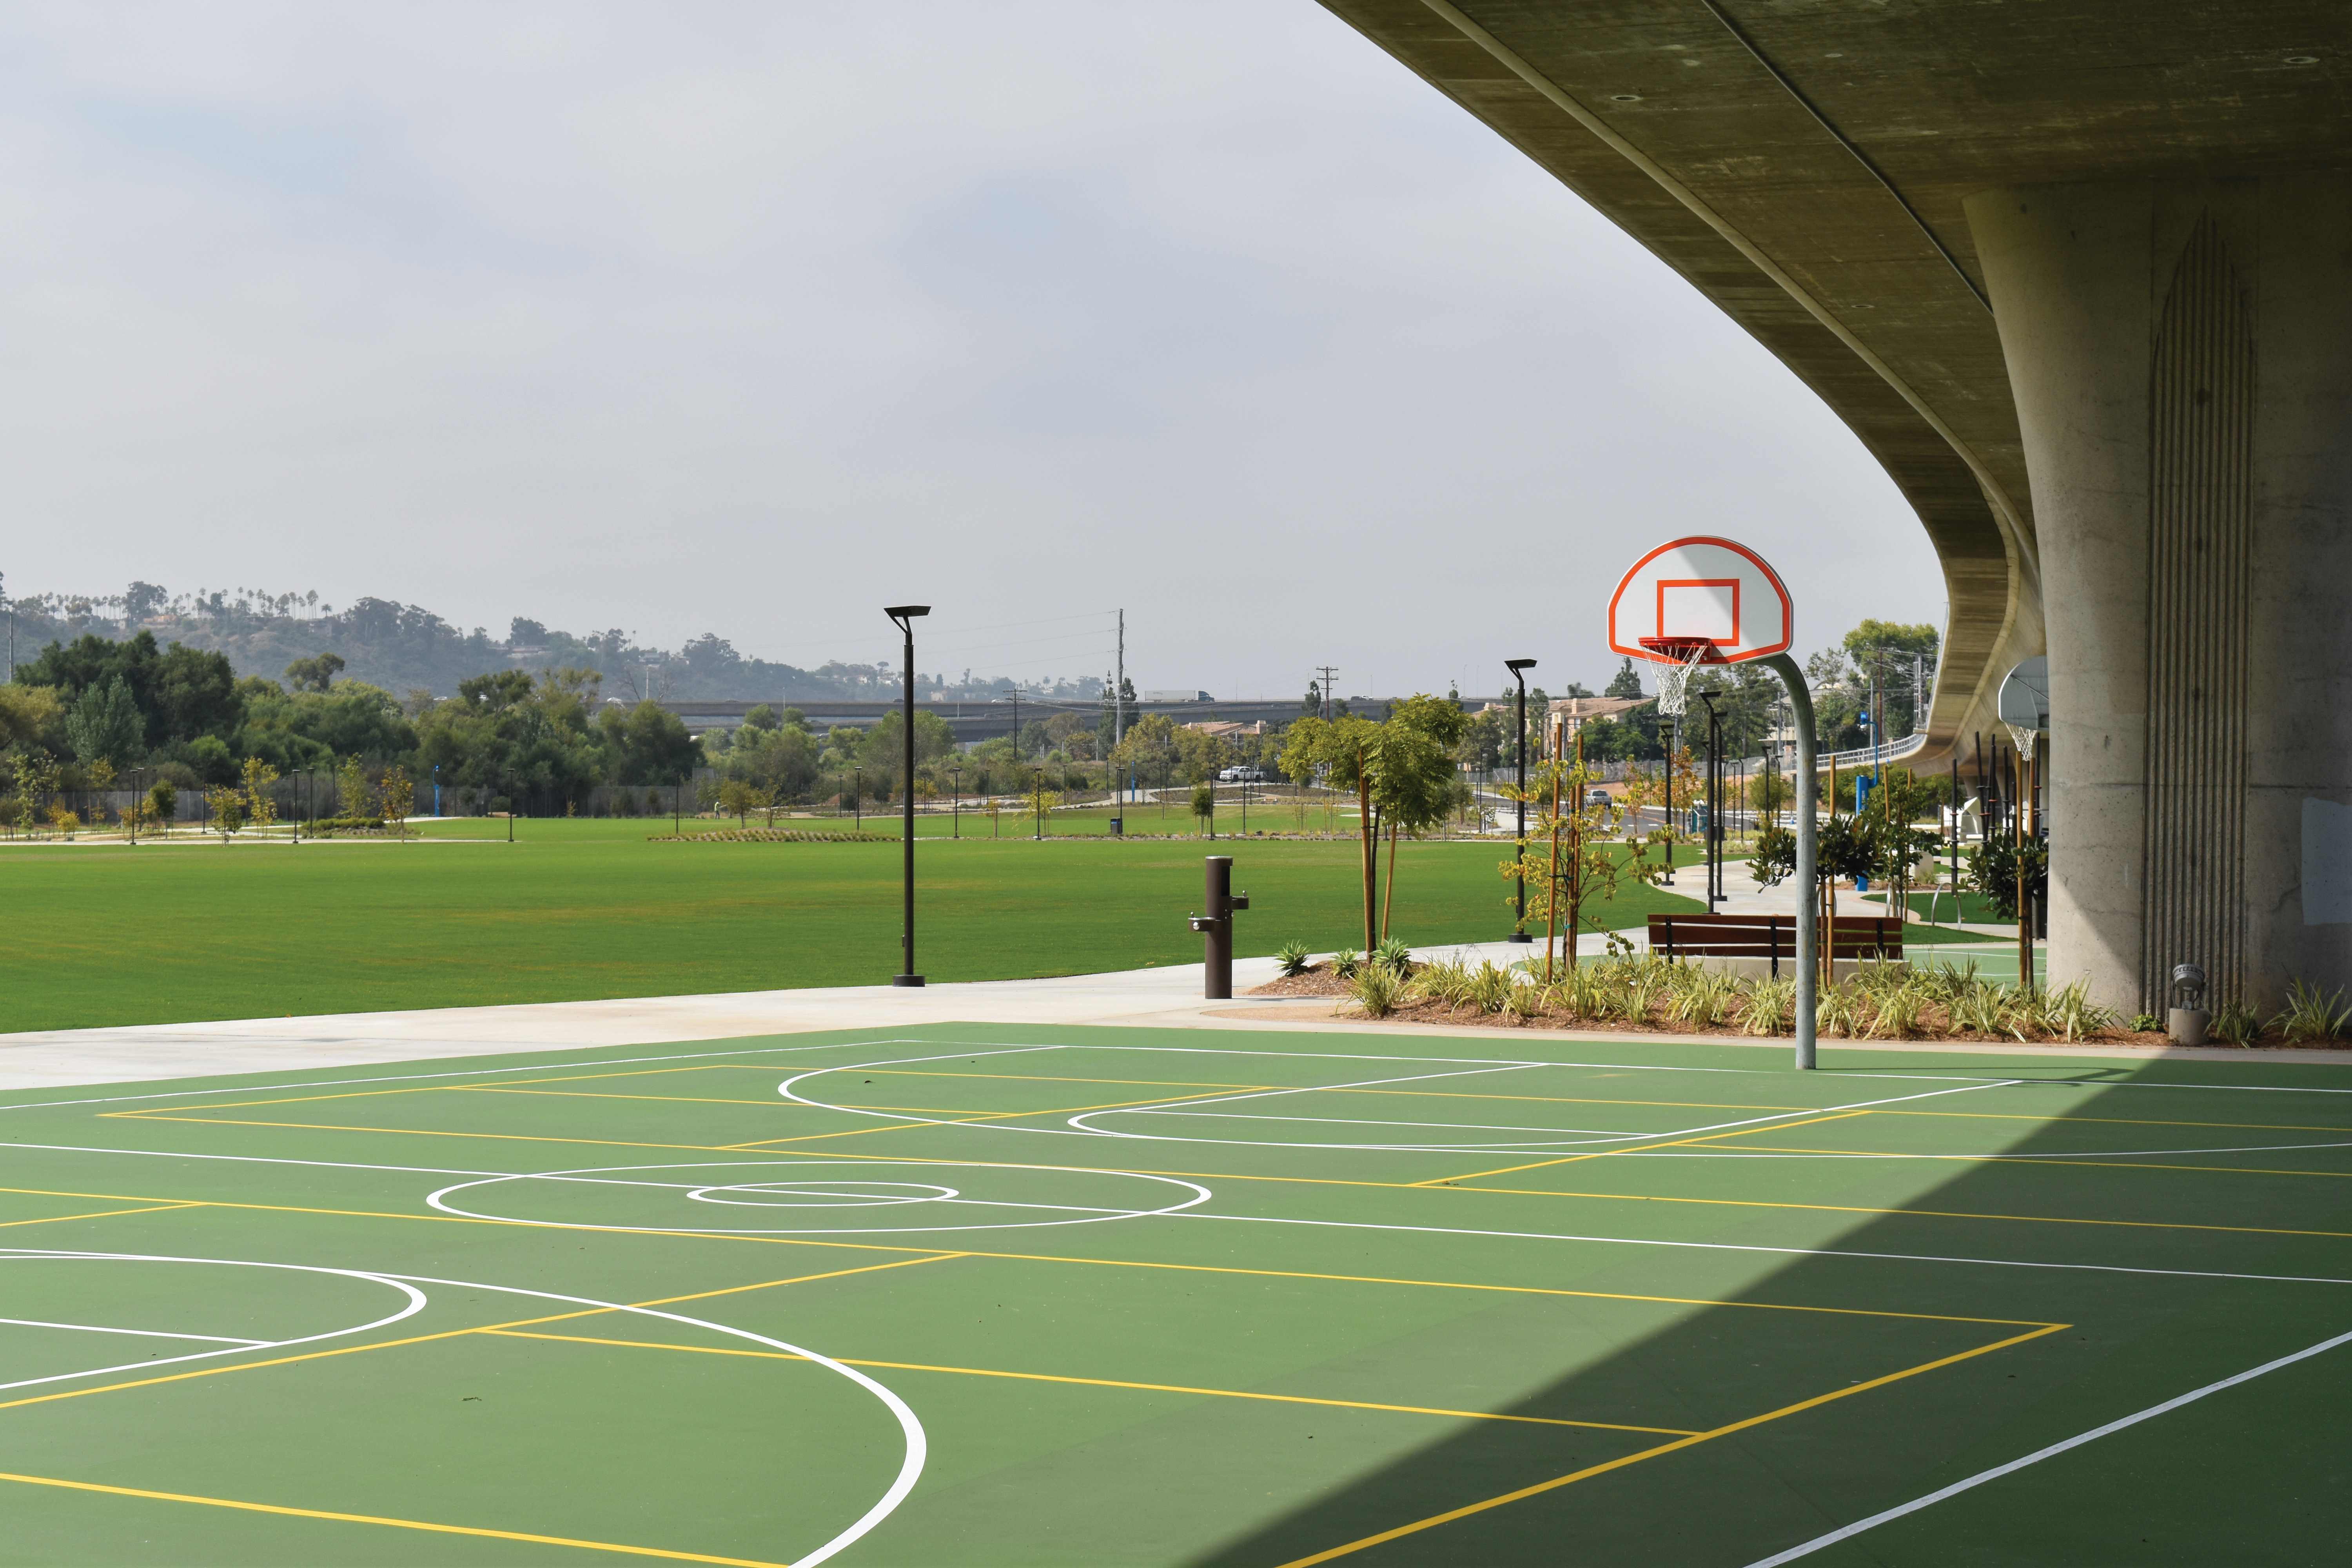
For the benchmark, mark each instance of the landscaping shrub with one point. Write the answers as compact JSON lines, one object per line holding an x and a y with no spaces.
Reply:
{"x":1376,"y":989}
{"x":1292,"y":956}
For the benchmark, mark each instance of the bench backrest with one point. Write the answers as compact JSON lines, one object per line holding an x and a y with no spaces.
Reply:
{"x":1770,"y":936}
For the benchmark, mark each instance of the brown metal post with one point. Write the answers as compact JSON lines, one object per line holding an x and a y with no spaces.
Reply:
{"x":1215,"y":924}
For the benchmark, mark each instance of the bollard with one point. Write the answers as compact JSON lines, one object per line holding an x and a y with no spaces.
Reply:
{"x":1217,"y":929}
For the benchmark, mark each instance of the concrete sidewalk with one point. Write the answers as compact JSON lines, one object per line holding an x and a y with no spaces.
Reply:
{"x":1169,"y":995}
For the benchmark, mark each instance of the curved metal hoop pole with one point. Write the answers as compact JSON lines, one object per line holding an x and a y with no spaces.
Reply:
{"x":1801,"y":699}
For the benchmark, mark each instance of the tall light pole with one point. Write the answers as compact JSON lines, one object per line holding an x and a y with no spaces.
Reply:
{"x":1519,"y":669}
{"x":905,"y":615}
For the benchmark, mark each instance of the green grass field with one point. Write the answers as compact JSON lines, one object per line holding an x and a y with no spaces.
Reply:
{"x":994,"y":1295}
{"x":107,"y":935}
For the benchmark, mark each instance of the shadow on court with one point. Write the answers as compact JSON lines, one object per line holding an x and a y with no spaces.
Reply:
{"x":2253,"y":1475}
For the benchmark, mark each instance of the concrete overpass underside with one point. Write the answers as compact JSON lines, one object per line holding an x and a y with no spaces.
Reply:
{"x":2078,"y":273}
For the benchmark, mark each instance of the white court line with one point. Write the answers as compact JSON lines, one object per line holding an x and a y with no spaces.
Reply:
{"x":476,"y":1072}
{"x":1373,"y":1122}
{"x":911,"y":1429}
{"x":2027,"y":1159}
{"x":1776,"y":1251}
{"x":135,"y":1333}
{"x":253,"y":1160}
{"x":30,"y":1253}
{"x":1084,"y":1125}
{"x":1849,"y":1531}
{"x":1523,"y":1146}
{"x":2084,"y":1085}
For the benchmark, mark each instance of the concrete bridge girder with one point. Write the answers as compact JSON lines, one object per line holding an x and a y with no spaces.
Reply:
{"x":2006,"y":245}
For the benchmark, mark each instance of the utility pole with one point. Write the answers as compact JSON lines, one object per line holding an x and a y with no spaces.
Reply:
{"x":1328,"y":671}
{"x":1118,"y":695}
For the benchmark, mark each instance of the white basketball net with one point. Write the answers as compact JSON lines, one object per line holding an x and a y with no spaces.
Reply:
{"x":2025,"y":740}
{"x":1673,"y":682}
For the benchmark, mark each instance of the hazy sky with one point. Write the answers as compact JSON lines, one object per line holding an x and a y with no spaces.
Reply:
{"x":752,"y":319}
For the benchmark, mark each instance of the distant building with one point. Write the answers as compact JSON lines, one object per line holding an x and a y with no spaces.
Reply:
{"x":1175,"y":697}
{"x":1569,"y":714}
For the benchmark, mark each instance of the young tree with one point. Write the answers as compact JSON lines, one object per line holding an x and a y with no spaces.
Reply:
{"x":260,"y":804}
{"x":1572,"y":864}
{"x":1204,"y":807}
{"x":163,"y":801}
{"x":228,"y":810}
{"x":357,"y":797}
{"x":399,"y":797}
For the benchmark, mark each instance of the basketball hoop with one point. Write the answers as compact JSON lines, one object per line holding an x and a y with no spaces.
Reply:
{"x":1677,"y":659}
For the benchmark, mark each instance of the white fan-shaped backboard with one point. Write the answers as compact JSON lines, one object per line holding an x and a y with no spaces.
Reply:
{"x":2024,"y":700}
{"x":1702,"y":588}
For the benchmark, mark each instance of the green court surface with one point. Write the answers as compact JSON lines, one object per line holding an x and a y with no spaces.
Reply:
{"x":1010,"y":1295}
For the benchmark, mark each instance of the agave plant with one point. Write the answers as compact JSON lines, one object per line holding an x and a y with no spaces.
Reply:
{"x":1344,"y":964}
{"x":1292,"y":956}
{"x":1393,"y":954}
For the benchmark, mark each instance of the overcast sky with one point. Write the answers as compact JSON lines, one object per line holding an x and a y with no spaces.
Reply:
{"x":752,"y":319}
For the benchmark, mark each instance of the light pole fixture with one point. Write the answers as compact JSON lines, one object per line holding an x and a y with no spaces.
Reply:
{"x":511,"y":803}
{"x":905,"y":617}
{"x":1519,"y":669}
{"x":955,"y":804}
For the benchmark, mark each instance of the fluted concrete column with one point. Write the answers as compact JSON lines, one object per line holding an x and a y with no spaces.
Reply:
{"x":2182,"y":358}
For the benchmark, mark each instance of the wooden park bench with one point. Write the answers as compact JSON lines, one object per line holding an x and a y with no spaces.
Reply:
{"x":1772,"y":937}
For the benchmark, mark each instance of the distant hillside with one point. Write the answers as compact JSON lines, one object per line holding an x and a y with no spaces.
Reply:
{"x":403,"y":647}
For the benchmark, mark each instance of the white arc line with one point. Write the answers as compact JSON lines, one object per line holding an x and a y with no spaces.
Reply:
{"x":1849,"y":1531}
{"x":910,"y":1429}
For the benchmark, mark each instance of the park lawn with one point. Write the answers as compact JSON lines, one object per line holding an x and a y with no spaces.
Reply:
{"x":579,"y":909}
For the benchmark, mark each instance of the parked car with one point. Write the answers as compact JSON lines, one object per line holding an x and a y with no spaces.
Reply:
{"x":1596,"y":798}
{"x":1242,"y":775}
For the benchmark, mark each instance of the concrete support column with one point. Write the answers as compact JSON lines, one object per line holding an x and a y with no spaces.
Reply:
{"x":2181,"y":357}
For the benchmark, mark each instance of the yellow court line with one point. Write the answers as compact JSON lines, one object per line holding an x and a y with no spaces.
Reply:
{"x":102,"y":1214}
{"x":395,"y":1523}
{"x":990,"y":1116}
{"x":1909,"y":1212}
{"x":663,"y":1099}
{"x":459,"y":1333}
{"x":429,"y":1132}
{"x":1636,"y":1149}
{"x":932,"y":1254}
{"x":2064,"y":1164}
{"x":419,"y":1089}
{"x":1680,"y":1443}
{"x":2120,"y":1121}
{"x":1353,"y":1089}
{"x":1111,"y":1382}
